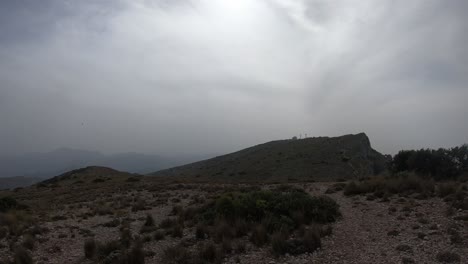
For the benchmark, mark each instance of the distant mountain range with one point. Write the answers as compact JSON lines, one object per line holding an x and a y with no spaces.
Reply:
{"x":23,"y":170}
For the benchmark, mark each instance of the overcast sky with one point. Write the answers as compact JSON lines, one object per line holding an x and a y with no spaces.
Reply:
{"x":214,"y":76}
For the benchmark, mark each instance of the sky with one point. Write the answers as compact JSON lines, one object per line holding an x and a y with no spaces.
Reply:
{"x":215,"y":76}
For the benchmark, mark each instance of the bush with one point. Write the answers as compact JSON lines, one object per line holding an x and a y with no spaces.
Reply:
{"x":22,"y":256}
{"x":28,"y":242}
{"x":3,"y":232}
{"x":446,"y":189}
{"x":201,"y":231}
{"x":177,"y":231}
{"x":222,"y":230}
{"x":255,"y":206}
{"x":279,"y":243}
{"x":105,"y":249}
{"x":90,"y":248}
{"x":7,"y":203}
{"x":177,"y":254}
{"x":126,"y":237}
{"x":403,"y":183}
{"x":209,"y":253}
{"x":448,"y":257}
{"x":112,"y":223}
{"x":136,"y":255}
{"x":440,"y":164}
{"x":168,"y":223}
{"x":158,"y":235}
{"x":311,"y":240}
{"x":259,"y":236}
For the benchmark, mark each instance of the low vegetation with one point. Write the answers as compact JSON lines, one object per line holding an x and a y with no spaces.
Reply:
{"x":287,"y":219}
{"x":410,"y":184}
{"x":439,"y":164}
{"x":126,"y":250}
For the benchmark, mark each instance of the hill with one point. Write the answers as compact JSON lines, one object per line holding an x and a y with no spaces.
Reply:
{"x":91,"y":174}
{"x":319,"y":159}
{"x":24,"y":170}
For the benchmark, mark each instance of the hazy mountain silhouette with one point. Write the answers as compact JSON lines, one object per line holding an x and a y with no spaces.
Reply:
{"x":40,"y":166}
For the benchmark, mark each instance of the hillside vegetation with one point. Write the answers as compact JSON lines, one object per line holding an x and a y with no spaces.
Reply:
{"x":317,"y":159}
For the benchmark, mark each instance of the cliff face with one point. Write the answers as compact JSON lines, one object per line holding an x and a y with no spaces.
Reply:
{"x":319,"y":159}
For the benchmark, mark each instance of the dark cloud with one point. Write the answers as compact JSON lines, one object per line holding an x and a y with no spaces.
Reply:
{"x":215,"y":76}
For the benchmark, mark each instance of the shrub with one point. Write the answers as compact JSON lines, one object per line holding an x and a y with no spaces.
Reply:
{"x":177,"y":231}
{"x":105,"y":249}
{"x":227,"y":245}
{"x":28,"y":242}
{"x":126,"y":237}
{"x":3,"y":232}
{"x":8,"y":203}
{"x":279,"y":243}
{"x":136,"y":255}
{"x":446,"y":188}
{"x":402,"y":183}
{"x":201,"y":231}
{"x":259,"y":236}
{"x":208,"y":252}
{"x":404,"y":247}
{"x":311,"y":240}
{"x":448,"y":257}
{"x":335,"y":188}
{"x":440,"y":164}
{"x":112,"y":223}
{"x":257,"y":205}
{"x":168,"y":223}
{"x":177,"y":254}
{"x":90,"y":248}
{"x":22,"y":256}
{"x":158,"y":235}
{"x":222,"y":230}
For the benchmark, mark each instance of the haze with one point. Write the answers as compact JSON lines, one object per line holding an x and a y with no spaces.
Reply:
{"x":203,"y":76}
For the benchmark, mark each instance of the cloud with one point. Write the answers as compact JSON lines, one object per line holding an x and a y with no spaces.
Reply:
{"x":215,"y":76}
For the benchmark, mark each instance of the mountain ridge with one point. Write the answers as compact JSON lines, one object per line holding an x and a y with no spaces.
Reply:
{"x":319,"y":158}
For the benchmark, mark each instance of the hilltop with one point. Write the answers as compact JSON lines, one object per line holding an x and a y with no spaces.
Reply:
{"x":91,"y":174}
{"x":319,"y":159}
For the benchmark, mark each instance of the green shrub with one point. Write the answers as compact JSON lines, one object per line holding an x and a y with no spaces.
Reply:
{"x":7,"y":203}
{"x":258,"y":205}
{"x":22,"y":256}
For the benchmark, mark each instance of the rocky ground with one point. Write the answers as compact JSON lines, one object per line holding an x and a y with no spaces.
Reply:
{"x":393,"y":230}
